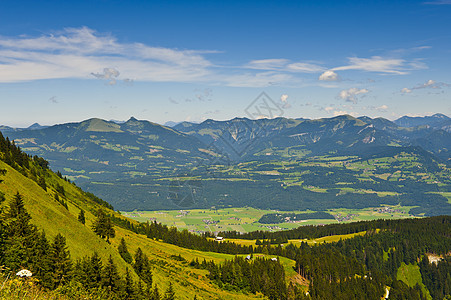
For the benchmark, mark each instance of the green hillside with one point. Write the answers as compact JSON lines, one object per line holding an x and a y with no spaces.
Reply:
{"x":51,"y":216}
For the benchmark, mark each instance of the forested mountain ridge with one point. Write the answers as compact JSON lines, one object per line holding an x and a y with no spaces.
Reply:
{"x":133,"y":164}
{"x":435,"y":121}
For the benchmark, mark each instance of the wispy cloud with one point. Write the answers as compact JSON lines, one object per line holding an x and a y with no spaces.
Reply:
{"x":429,"y":84}
{"x":83,"y":53}
{"x":267,"y":64}
{"x":78,"y":52}
{"x":381,"y":65}
{"x":351,"y":94}
{"x":109,"y":74}
{"x":261,"y":79}
{"x":284,"y":65}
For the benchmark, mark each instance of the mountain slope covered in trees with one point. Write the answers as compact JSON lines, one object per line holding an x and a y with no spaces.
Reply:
{"x":134,"y":164}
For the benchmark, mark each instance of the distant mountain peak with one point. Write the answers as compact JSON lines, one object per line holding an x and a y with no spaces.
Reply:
{"x":36,"y":126}
{"x":440,"y":115}
{"x":433,"y":121}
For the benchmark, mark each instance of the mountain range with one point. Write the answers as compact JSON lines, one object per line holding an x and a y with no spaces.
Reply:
{"x":130,"y":163}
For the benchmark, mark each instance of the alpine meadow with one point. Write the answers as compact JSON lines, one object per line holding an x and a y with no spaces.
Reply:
{"x":280,"y":150}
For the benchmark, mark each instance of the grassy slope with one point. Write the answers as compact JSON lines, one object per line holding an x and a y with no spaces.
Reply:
{"x":325,"y":239}
{"x":410,"y":275}
{"x":51,"y":216}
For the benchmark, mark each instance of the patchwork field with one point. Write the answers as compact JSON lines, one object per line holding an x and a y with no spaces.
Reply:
{"x":245,"y":219}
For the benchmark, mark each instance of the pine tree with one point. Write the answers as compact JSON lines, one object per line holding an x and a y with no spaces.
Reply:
{"x":42,"y":184}
{"x":60,"y":261}
{"x":142,"y":267}
{"x":129,"y":285}
{"x":123,"y":251}
{"x":103,"y":226}
{"x":41,"y":265}
{"x":20,"y":236}
{"x":110,"y":276}
{"x":95,"y":271}
{"x":81,"y":217}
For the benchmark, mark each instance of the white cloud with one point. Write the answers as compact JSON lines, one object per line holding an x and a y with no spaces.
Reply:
{"x":381,"y":65}
{"x":429,"y":84}
{"x":283,"y":65}
{"x":351,"y":94}
{"x":109,"y":74}
{"x":267,"y":64}
{"x":382,"y":108}
{"x":262,"y":79}
{"x":304,"y":68}
{"x":329,"y":108}
{"x":284,"y":100}
{"x":329,"y":76}
{"x":340,"y":112}
{"x":78,"y":52}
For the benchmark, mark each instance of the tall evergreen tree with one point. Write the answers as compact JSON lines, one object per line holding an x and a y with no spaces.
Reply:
{"x":103,"y":226}
{"x":81,"y":217}
{"x":20,"y":235}
{"x":60,"y":261}
{"x":95,"y":271}
{"x":41,"y":265}
{"x":110,"y":277}
{"x":129,"y":285}
{"x":123,"y":251}
{"x":142,"y":267}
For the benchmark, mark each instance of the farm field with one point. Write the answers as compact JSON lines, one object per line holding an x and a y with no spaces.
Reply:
{"x":245,"y":219}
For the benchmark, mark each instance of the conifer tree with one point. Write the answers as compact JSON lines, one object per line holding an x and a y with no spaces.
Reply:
{"x":20,"y":236}
{"x":60,"y":261}
{"x":81,"y":217}
{"x":41,"y":262}
{"x":42,"y":183}
{"x":95,"y":271}
{"x":103,"y":226}
{"x":123,"y":251}
{"x":129,"y":285}
{"x":142,"y":267}
{"x":110,"y":277}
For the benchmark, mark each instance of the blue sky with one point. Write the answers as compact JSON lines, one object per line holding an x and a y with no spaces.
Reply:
{"x":63,"y":61}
